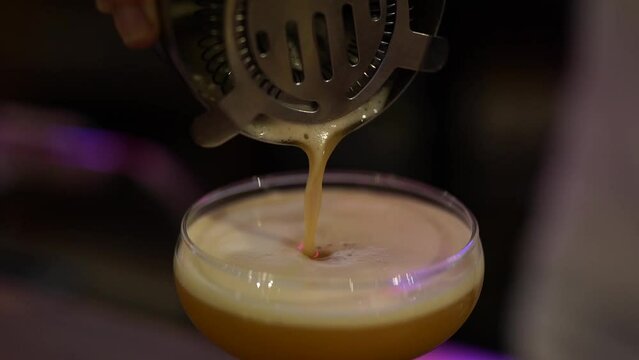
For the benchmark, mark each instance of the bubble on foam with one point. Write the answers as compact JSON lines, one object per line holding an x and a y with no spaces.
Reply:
{"x":351,"y":255}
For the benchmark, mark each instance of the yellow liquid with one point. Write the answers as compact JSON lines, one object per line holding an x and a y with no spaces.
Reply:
{"x":269,"y":305}
{"x":247,"y":338}
{"x":318,"y":142}
{"x":317,"y":159}
{"x":250,"y":315}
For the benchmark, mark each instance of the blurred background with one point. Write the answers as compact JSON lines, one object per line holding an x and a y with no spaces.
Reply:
{"x":97,"y":167}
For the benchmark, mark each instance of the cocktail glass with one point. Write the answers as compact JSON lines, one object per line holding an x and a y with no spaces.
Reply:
{"x":242,"y":309}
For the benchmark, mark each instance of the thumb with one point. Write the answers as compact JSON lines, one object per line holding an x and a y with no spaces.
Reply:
{"x":135,"y":20}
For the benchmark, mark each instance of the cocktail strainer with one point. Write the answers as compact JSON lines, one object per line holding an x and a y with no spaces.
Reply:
{"x":298,"y":61}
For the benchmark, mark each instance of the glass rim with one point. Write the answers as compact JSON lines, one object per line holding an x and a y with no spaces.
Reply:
{"x":362,"y":179}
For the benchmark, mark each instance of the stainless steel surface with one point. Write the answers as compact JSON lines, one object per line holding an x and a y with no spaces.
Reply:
{"x":308,"y":61}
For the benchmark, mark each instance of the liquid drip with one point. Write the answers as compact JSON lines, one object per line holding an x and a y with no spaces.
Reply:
{"x":317,"y":160}
{"x":318,"y":141}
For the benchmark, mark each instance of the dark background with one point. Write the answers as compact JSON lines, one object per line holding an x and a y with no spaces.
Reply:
{"x":478,"y":129}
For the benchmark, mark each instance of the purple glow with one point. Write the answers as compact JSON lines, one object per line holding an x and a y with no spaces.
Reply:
{"x":90,"y":149}
{"x":62,"y":149}
{"x":459,"y":352}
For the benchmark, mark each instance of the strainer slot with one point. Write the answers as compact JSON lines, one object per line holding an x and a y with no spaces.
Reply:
{"x":351,"y":35}
{"x":375,"y":7}
{"x":323,"y":49}
{"x":295,"y":52}
{"x":263,"y":43}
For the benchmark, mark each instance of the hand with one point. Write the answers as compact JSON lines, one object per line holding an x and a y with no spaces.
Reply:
{"x":136,"y":20}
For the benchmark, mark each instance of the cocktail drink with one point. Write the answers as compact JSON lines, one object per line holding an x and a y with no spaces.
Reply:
{"x":397,"y":270}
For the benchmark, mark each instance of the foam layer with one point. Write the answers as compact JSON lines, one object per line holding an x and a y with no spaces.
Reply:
{"x":376,"y":240}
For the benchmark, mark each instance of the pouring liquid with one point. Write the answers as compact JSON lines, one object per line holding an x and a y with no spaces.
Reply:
{"x":318,"y":141}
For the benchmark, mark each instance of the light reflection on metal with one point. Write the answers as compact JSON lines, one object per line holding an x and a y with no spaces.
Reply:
{"x":324,"y":135}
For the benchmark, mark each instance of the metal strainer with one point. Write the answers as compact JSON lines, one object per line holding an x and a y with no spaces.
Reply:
{"x":298,"y":61}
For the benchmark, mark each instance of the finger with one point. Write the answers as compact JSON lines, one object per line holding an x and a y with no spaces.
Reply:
{"x":136,"y":21}
{"x":151,"y":11}
{"x":104,"y":6}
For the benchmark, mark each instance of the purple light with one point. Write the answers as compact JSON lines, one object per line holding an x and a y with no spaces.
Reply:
{"x":459,"y":352}
{"x":36,"y":148}
{"x":90,"y":149}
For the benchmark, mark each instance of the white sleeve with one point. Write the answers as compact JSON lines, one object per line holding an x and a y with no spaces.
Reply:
{"x":577,"y":295}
